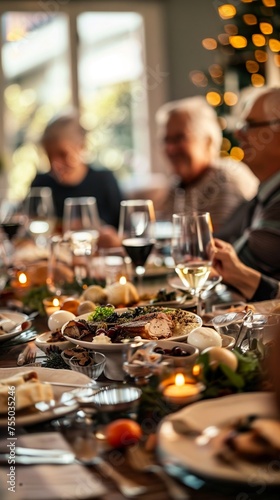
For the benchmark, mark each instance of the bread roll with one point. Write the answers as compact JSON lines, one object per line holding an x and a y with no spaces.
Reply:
{"x":20,"y":378}
{"x":95,"y":294}
{"x":119,"y":294}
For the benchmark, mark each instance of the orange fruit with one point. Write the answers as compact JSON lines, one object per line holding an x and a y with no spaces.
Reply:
{"x":123,"y":432}
{"x":70,"y":305}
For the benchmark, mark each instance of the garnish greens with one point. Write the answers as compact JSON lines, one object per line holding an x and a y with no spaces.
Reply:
{"x":221,"y":381}
{"x":101,"y":313}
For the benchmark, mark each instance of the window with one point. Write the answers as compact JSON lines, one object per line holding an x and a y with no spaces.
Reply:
{"x":79,"y":55}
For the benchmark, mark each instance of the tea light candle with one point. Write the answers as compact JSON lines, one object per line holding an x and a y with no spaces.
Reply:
{"x":51,"y":305}
{"x":20,"y":283}
{"x":122,"y":280}
{"x":181,"y":392}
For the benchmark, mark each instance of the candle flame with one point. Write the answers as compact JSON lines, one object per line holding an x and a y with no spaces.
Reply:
{"x":196,"y":370}
{"x":55,"y":302}
{"x":179,"y":380}
{"x":122,"y":280}
{"x":22,"y":278}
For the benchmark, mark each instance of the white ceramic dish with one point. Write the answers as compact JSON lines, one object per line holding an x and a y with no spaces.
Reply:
{"x":185,"y":454}
{"x":42,"y":342}
{"x":30,"y":417}
{"x":113,"y":347}
{"x":18,"y":318}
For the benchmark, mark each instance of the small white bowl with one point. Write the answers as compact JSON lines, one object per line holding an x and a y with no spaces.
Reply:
{"x":179,"y":361}
{"x":45,"y":344}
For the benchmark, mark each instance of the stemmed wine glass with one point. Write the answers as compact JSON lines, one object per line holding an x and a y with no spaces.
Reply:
{"x":136,"y":232}
{"x":81,"y":225}
{"x":39,"y":211}
{"x":192,"y":251}
{"x":11,"y":223}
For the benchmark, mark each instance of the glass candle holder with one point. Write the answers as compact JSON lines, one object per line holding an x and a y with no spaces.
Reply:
{"x":179,"y":386}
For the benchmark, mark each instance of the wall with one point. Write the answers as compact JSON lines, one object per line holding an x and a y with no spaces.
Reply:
{"x":187,"y":23}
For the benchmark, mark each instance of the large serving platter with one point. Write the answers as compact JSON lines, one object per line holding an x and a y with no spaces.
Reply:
{"x":19,"y":319}
{"x":181,"y":334}
{"x":31,"y":416}
{"x":185,"y":454}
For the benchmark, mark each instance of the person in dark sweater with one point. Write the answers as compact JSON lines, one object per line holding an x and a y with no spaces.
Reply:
{"x":70,"y":175}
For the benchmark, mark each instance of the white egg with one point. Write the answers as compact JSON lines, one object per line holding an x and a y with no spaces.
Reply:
{"x":59,"y":318}
{"x":219,"y":355}
{"x":204,"y":337}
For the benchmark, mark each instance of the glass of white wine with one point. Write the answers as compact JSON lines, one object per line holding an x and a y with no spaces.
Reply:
{"x":192,"y":251}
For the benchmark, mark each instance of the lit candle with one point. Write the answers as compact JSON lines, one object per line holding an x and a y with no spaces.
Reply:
{"x":51,"y":305}
{"x":181,"y":392}
{"x":122,"y":280}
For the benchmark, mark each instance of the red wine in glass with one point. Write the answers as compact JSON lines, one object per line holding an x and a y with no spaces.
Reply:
{"x":11,"y":228}
{"x":138,"y":249}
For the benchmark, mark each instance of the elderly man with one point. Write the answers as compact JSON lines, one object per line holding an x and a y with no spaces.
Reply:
{"x":205,"y":182}
{"x":255,"y":228}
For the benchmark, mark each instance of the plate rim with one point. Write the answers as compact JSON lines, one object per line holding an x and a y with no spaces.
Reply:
{"x":26,"y":420}
{"x":119,"y":346}
{"x":193,"y":412}
{"x":10,"y":335}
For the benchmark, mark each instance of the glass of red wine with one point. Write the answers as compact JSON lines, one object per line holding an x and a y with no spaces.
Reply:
{"x":11,"y":224}
{"x":136,"y":232}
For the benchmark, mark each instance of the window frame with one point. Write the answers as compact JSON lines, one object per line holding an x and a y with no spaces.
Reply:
{"x":156,"y":78}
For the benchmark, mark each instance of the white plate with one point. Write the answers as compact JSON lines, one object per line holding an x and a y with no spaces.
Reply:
{"x":119,"y":346}
{"x":42,"y":342}
{"x":184,"y":454}
{"x":30,"y":417}
{"x":18,"y":318}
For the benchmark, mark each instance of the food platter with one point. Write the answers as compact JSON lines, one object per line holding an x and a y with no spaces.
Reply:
{"x":19,"y":319}
{"x":185,"y":323}
{"x":32,"y":416}
{"x":185,"y":454}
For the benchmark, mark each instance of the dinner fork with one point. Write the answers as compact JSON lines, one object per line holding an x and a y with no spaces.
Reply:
{"x":140,"y":460}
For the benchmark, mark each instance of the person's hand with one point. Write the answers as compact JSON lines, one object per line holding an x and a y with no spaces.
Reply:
{"x":233,"y":271}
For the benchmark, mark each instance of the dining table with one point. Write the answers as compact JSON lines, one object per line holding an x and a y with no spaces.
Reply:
{"x":78,"y":430}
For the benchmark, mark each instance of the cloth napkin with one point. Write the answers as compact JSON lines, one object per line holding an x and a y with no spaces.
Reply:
{"x":50,"y":482}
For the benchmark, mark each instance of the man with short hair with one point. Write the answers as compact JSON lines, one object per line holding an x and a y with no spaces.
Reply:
{"x":254,"y":229}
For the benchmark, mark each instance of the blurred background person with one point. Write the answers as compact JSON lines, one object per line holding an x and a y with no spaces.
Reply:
{"x":71,"y":176}
{"x":254,"y":229}
{"x":192,"y":137}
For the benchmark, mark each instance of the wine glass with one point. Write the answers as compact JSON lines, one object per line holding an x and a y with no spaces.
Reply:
{"x":3,"y":268}
{"x":11,"y":223}
{"x":39,"y":210}
{"x":136,"y":232}
{"x":81,"y":225}
{"x":192,"y":251}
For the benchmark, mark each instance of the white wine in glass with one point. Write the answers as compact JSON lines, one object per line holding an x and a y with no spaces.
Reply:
{"x":136,"y":231}
{"x":192,"y":250}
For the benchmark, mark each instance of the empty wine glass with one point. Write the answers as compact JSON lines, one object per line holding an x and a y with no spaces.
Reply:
{"x":81,"y":222}
{"x":136,"y":231}
{"x":192,"y":251}
{"x":39,"y":210}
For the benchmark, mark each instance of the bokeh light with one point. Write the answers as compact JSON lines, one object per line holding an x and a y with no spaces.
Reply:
{"x":227,"y":11}
{"x":252,"y":66}
{"x":237,"y":153}
{"x":274,"y":45}
{"x":269,"y":3}
{"x":277,"y":60}
{"x":223,"y":38}
{"x":238,"y":42}
{"x":209,"y":43}
{"x":266,"y":28}
{"x":261,"y":56}
{"x":198,"y":78}
{"x":226,"y":144}
{"x":231,"y":29}
{"x":214,"y":98}
{"x":258,"y":40}
{"x":250,"y":19}
{"x":257,"y":80}
{"x":230,"y":98}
